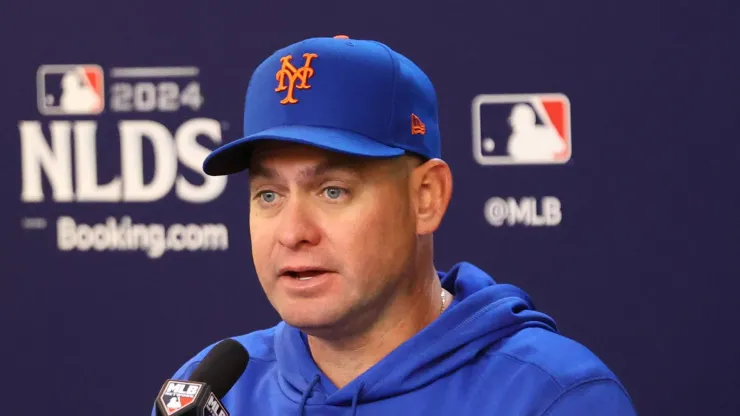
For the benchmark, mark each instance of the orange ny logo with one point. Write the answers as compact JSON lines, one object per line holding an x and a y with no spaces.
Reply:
{"x":290,"y":74}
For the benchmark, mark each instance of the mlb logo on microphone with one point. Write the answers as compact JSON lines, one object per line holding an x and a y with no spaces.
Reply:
{"x":521,"y":129}
{"x":70,"y":90}
{"x":178,"y":395}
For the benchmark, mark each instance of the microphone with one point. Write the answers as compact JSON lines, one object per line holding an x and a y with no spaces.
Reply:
{"x":201,"y":395}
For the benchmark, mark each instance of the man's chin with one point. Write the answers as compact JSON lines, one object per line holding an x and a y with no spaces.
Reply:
{"x":321,"y":324}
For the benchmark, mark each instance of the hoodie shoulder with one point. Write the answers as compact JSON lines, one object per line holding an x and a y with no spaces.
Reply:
{"x":259,"y":345}
{"x":565,"y":361}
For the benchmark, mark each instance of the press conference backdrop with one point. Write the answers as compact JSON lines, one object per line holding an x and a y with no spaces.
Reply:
{"x":120,"y":260}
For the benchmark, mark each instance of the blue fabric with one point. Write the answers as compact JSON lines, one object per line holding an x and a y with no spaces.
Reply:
{"x":489,"y":353}
{"x":362,"y":98}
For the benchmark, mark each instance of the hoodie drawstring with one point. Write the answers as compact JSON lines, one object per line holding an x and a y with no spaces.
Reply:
{"x":307,"y":394}
{"x":314,"y":382}
{"x":356,"y":397}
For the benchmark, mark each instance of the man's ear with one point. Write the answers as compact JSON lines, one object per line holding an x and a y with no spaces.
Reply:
{"x":431,"y":184}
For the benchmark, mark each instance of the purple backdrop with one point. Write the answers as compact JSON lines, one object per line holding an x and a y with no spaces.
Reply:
{"x":630,"y":244}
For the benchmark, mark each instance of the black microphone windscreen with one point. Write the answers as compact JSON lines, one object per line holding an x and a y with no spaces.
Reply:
{"x":222,"y":367}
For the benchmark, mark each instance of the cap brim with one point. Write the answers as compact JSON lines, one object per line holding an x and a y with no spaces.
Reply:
{"x":233,"y":157}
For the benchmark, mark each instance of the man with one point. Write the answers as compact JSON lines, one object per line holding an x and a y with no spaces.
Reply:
{"x":347,"y":187}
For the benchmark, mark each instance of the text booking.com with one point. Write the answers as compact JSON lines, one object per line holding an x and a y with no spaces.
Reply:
{"x":154,"y":239}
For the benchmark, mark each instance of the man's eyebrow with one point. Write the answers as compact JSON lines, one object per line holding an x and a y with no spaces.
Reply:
{"x":259,"y":170}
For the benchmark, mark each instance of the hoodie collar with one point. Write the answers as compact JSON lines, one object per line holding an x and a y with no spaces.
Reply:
{"x":482,"y":313}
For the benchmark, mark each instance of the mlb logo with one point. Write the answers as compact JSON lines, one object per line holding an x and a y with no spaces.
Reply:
{"x":175,"y":403}
{"x":178,"y":395}
{"x":521,"y":129}
{"x":70,"y":90}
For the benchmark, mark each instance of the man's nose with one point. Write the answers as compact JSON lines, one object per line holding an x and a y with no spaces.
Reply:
{"x":297,"y":227}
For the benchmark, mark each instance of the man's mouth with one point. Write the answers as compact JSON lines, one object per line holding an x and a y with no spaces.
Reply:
{"x":302,"y":273}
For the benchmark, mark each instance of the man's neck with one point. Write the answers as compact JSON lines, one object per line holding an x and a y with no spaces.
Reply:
{"x":345,"y":358}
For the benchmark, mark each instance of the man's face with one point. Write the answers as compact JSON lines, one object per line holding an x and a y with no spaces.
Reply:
{"x":331,"y":235}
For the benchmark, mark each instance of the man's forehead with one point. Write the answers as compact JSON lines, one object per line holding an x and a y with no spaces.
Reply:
{"x":267,"y":150}
{"x":266,"y":157}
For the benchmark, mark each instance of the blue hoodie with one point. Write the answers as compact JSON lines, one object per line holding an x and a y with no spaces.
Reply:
{"x":489,"y":353}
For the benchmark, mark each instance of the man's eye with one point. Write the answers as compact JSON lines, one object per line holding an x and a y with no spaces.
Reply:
{"x":267,"y":196}
{"x":334,"y":192}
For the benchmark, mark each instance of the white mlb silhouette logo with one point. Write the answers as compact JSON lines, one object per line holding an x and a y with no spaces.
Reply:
{"x":70,"y":89}
{"x":521,"y":129}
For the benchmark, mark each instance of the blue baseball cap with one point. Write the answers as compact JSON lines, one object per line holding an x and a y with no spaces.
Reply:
{"x":357,"y":97}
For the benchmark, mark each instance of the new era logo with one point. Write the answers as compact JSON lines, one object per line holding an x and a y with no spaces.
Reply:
{"x":417,"y":126}
{"x":521,"y":129}
{"x":70,"y":89}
